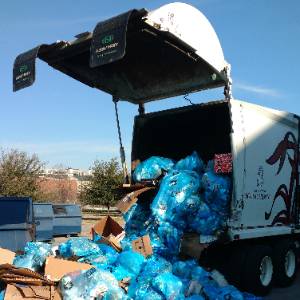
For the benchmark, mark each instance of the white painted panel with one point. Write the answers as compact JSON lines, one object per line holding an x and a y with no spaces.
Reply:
{"x":258,"y":133}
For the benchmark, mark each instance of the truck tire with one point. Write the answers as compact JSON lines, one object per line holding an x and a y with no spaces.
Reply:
{"x":285,"y":262}
{"x":257,"y":274}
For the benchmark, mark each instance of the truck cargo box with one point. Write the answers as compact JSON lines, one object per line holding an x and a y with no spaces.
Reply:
{"x":263,"y":144}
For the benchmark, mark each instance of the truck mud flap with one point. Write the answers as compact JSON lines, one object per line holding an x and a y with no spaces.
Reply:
{"x":109,"y":40}
{"x":24,"y":69}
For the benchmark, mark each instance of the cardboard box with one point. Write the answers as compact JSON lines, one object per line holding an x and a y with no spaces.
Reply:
{"x":111,"y":232}
{"x":125,"y":203}
{"x":21,"y":292}
{"x":6,"y":256}
{"x":142,"y":245}
{"x":56,"y":268}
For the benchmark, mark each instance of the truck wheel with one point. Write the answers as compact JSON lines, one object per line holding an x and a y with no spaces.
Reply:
{"x":257,"y":275}
{"x":285,"y":262}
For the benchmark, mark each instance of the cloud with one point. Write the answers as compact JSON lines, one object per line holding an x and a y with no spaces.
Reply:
{"x":256,"y":89}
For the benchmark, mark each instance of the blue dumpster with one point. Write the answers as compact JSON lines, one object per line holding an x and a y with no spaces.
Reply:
{"x":43,"y":219}
{"x":67,"y":219}
{"x":16,"y":222}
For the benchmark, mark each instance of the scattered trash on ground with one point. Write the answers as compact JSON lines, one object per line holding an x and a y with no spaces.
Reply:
{"x":141,"y":260}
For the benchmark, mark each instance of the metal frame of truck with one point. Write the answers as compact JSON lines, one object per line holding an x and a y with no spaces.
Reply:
{"x":132,"y":58}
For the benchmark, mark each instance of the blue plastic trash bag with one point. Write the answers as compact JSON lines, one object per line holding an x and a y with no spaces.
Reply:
{"x":183,"y":269}
{"x":2,"y":294}
{"x":227,"y":292}
{"x":210,"y":166}
{"x":152,"y":168}
{"x":142,"y":290}
{"x":200,"y":275}
{"x":90,"y":284}
{"x":131,"y":261}
{"x":205,"y":221}
{"x":35,"y":254}
{"x":154,"y":266}
{"x":195,"y":297}
{"x":115,"y":293}
{"x":121,"y":273}
{"x":157,"y":245}
{"x":169,"y":285}
{"x":172,"y":201}
{"x":137,"y":219}
{"x":126,"y":242}
{"x":248,"y":296}
{"x":148,"y":294}
{"x":78,"y":247}
{"x":97,"y":260}
{"x":192,"y":162}
{"x":216,"y":189}
{"x":170,"y":237}
{"x":109,"y":252}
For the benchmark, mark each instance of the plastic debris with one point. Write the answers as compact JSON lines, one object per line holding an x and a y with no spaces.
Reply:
{"x":172,"y":201}
{"x":90,"y":284}
{"x":192,"y":162}
{"x":191,"y":198}
{"x":2,"y":294}
{"x":131,"y":261}
{"x":152,"y":168}
{"x":169,"y":285}
{"x":183,"y":269}
{"x":34,"y":257}
{"x":78,"y":247}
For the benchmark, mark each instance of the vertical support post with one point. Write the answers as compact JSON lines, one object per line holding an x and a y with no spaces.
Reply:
{"x":122,"y":150}
{"x":141,"y":108}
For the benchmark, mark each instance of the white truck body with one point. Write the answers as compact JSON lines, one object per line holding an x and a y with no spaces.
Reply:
{"x":264,"y":144}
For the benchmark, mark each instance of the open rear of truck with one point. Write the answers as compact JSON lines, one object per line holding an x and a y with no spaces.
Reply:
{"x":144,"y":56}
{"x":263,"y":145}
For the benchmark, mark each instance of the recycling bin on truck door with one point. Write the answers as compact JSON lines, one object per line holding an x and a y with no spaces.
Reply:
{"x":67,"y":219}
{"x":16,"y":222}
{"x":43,"y":219}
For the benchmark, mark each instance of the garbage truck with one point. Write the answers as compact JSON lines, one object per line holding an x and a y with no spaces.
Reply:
{"x":142,"y":56}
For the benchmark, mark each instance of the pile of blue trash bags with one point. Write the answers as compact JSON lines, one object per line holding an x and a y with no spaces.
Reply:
{"x":191,"y":198}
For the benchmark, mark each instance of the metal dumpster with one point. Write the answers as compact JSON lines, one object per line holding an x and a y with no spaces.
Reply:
{"x":43,"y":219}
{"x":67,"y":219}
{"x":16,"y":222}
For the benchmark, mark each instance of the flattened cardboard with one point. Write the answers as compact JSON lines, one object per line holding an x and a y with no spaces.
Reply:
{"x":6,"y":256}
{"x":125,"y":203}
{"x":142,"y":245}
{"x":11,"y":274}
{"x":21,"y":292}
{"x":56,"y":268}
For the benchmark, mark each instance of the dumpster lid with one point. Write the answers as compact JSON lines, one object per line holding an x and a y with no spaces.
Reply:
{"x":138,"y":56}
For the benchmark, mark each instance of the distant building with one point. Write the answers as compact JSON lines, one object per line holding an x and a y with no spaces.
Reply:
{"x":63,"y":184}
